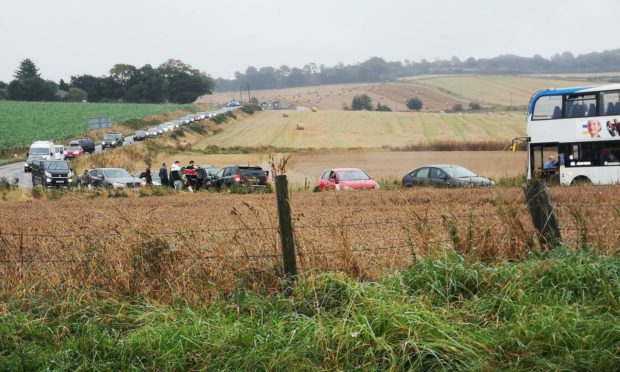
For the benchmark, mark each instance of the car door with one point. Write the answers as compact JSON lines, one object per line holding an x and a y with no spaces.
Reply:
{"x":438,"y":177}
{"x":96,"y":178}
{"x":324,"y":182}
{"x":421,"y":177}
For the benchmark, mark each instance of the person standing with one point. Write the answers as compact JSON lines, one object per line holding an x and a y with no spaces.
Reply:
{"x":85,"y":179}
{"x":163,"y":175}
{"x":175,"y":175}
{"x":148,"y":175}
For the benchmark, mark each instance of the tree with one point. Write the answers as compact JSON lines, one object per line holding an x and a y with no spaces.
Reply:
{"x":381,"y":107}
{"x":63,"y":86}
{"x":76,"y":95}
{"x":3,"y":90}
{"x":361,"y":102}
{"x":28,"y":84}
{"x":414,"y":104}
{"x":182,"y":83}
{"x":457,"y":107}
{"x":474,"y":106}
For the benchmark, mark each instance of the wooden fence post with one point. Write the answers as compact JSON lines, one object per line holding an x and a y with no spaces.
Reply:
{"x":286,"y":232}
{"x":542,"y":213}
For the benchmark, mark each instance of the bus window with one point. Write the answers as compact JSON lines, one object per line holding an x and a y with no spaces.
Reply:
{"x":610,"y":102}
{"x":578,"y":106}
{"x":548,"y":107}
{"x":545,"y":159}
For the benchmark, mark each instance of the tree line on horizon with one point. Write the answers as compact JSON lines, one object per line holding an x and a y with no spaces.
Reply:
{"x":177,"y":82}
{"x":377,"y":69}
{"x":173,"y":81}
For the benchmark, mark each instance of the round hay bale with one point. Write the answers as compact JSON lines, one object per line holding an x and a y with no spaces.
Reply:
{"x":285,"y":114}
{"x":314,"y":109}
{"x":300,"y":126}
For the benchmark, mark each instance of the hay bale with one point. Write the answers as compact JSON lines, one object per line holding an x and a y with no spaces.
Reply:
{"x":285,"y":114}
{"x":300,"y":126}
{"x":314,"y":109}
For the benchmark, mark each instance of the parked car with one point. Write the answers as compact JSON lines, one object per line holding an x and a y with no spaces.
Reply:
{"x":51,"y":173}
{"x":151,"y":132}
{"x":112,"y":140}
{"x":444,"y":175}
{"x":154,"y":177}
{"x":114,"y":178}
{"x":140,"y":136}
{"x":243,"y":176}
{"x":73,"y":150}
{"x":345,"y":179}
{"x":87,"y":144}
{"x":39,"y":150}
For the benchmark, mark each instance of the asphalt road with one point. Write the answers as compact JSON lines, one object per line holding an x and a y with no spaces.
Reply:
{"x":16,"y":170}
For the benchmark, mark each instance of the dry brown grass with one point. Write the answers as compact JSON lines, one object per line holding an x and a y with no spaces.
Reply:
{"x":198,"y":245}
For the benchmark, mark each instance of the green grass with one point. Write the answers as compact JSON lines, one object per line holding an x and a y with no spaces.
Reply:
{"x":558,"y":311}
{"x":23,"y":122}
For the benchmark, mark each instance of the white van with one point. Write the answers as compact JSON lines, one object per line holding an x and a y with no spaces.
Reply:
{"x":59,"y":152}
{"x":40,"y":150}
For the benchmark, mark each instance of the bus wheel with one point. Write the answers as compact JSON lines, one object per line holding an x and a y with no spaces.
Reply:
{"x":581,"y":181}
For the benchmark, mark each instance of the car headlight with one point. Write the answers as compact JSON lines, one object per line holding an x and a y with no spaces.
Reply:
{"x":26,"y":164}
{"x":70,"y":174}
{"x":118,"y":184}
{"x":47,"y":174}
{"x":102,"y":143}
{"x":377,"y":186}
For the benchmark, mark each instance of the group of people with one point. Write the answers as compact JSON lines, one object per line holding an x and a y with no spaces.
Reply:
{"x":174,"y":178}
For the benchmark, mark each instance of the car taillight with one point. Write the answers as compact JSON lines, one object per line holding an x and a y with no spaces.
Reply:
{"x":237,"y":178}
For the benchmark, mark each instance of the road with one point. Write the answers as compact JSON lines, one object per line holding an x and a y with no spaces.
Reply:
{"x":16,"y":170}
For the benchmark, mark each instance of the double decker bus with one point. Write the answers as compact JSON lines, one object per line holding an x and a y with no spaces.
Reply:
{"x":574,"y":135}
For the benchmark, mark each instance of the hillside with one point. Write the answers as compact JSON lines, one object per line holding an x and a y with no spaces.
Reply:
{"x":437,"y":92}
{"x":363,"y":129}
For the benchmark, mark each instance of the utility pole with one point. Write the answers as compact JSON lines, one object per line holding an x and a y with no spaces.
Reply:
{"x":249,"y":99}
{"x":240,"y":93}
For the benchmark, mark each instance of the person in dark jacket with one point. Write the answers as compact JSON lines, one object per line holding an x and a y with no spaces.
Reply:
{"x":148,"y":175}
{"x":163,"y":175}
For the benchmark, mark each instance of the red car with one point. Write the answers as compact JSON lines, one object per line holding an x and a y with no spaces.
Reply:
{"x":344,"y":179}
{"x":74,"y":150}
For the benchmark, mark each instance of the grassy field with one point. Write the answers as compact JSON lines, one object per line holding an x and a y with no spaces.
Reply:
{"x":363,"y":129}
{"x":420,"y":279}
{"x":503,"y":91}
{"x":437,"y":92}
{"x":23,"y":122}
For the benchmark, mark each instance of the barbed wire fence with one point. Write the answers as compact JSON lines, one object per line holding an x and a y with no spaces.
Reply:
{"x":330,"y":246}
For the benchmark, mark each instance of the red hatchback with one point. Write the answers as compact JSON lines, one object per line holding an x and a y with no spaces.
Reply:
{"x":74,"y":150}
{"x":344,"y":179}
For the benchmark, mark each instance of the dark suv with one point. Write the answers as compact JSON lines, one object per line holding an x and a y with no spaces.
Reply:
{"x":112,"y":140}
{"x":88,"y":144}
{"x":51,"y":173}
{"x":241,"y":176}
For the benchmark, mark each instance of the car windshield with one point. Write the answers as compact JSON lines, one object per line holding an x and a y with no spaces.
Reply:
{"x":115,"y":173}
{"x":57,"y":165}
{"x":40,"y":151}
{"x":108,"y":137}
{"x":73,"y":147}
{"x":353,"y":175}
{"x":459,"y":172}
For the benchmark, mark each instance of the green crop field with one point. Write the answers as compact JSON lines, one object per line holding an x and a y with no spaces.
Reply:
{"x":23,"y":122}
{"x":364,"y":129}
{"x":497,"y":90}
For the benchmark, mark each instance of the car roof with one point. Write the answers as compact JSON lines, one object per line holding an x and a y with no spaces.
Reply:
{"x":342,"y":169}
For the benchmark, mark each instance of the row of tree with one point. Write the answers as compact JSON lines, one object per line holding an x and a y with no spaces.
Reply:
{"x":173,"y":81}
{"x":376,"y":69}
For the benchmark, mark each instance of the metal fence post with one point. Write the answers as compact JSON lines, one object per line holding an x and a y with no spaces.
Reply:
{"x":542,"y":213}
{"x":286,"y":231}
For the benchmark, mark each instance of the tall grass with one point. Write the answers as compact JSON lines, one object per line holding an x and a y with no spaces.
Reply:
{"x":557,"y":311}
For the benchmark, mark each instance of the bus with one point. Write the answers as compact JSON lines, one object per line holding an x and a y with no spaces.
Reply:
{"x":573,"y":135}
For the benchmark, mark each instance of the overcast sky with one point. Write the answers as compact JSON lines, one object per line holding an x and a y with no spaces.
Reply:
{"x":219,"y":37}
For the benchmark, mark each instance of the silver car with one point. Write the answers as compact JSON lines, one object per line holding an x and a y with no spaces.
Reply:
{"x":114,"y":178}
